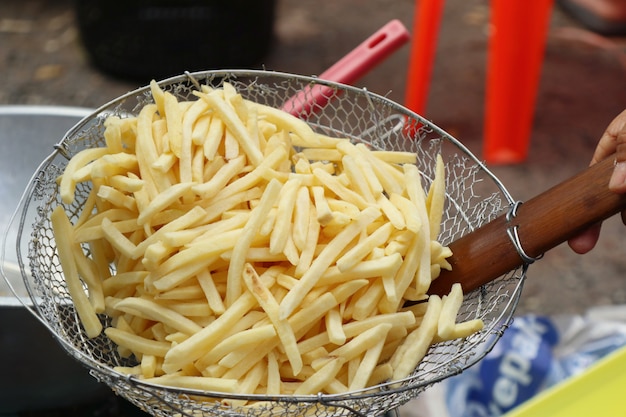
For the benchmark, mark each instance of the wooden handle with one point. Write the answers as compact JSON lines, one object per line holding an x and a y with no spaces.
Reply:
{"x":542,"y":223}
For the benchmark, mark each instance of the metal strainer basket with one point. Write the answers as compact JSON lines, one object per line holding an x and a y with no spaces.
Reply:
{"x":474,"y":197}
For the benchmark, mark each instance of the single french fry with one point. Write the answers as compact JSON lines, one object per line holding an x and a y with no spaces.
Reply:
{"x":380,"y":267}
{"x":322,"y":154}
{"x":196,"y":383}
{"x":334,"y":327}
{"x":202,"y":341}
{"x":462,"y":330}
{"x":164,"y":162}
{"x":345,"y":208}
{"x":363,"y":248}
{"x":120,"y":242}
{"x":67,"y":185}
{"x":158,"y":96}
{"x":324,"y":213}
{"x":303,"y":134}
{"x":137,"y":344}
{"x":163,"y":200}
{"x":152,"y":311}
{"x":113,"y":134}
{"x":189,"y":119}
{"x":192,"y":261}
{"x":125,"y":183}
{"x":89,"y":271}
{"x":348,"y":148}
{"x":211,"y":293}
{"x":416,"y":344}
{"x":63,"y":235}
{"x":221,"y":178}
{"x":409,"y":212}
{"x":367,"y":303}
{"x":345,"y":193}
{"x":159,"y":135}
{"x":146,"y":152}
{"x":251,"y":381}
{"x":113,"y":214}
{"x":313,"y":233}
{"x":354,"y":328}
{"x":116,"y":197}
{"x":436,"y":198}
{"x":241,"y":340}
{"x":273,"y":385}
{"x":316,"y":382}
{"x":396,"y":157}
{"x":355,"y":347}
{"x":270,"y":306}
{"x":213,"y":138}
{"x":388,"y":176}
{"x":243,"y":361}
{"x":231,"y":146}
{"x":106,"y":166}
{"x":252,"y":123}
{"x":237,"y":261}
{"x":357,"y":178}
{"x":174,"y":119}
{"x":148,"y":366}
{"x":284,"y":215}
{"x":439,"y":255}
{"x":449,"y":310}
{"x":122,"y":280}
{"x":271,"y":161}
{"x":301,"y":213}
{"x":196,"y":310}
{"x":188,"y":219}
{"x":200,"y":130}
{"x":416,"y":194}
{"x":366,"y":366}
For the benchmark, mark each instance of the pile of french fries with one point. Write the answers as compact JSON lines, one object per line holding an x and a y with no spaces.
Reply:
{"x":237,"y":250}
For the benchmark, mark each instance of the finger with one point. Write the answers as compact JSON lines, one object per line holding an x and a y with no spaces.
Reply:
{"x":617,"y":182}
{"x":612,"y":141}
{"x":585,"y":241}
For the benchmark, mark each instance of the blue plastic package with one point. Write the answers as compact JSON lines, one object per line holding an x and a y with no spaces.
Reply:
{"x":534,"y":353}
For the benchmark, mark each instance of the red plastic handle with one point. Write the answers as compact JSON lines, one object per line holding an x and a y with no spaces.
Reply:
{"x":351,"y":67}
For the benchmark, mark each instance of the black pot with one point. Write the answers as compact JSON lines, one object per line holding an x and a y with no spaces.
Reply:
{"x":144,"y":39}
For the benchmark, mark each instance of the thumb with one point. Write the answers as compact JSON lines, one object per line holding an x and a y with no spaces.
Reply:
{"x":617,"y":182}
{"x":618,"y":178}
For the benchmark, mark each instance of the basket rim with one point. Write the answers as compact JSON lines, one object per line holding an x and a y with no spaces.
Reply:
{"x":330,"y":399}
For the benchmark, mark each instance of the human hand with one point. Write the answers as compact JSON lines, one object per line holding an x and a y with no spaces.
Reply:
{"x":611,"y":144}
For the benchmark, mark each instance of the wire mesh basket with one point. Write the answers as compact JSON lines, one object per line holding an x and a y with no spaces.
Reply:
{"x":473,"y":197}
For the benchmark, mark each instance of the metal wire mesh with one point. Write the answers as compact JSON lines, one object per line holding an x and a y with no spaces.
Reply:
{"x":474,"y":196}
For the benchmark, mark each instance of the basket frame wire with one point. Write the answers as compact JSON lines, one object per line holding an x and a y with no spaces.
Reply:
{"x":362,"y":402}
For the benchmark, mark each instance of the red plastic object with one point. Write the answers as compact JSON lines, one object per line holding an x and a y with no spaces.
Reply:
{"x":516,"y":51}
{"x":515,"y":56}
{"x":427,"y":19}
{"x":351,"y":67}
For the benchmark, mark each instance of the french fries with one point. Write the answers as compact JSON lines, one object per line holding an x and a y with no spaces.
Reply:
{"x":253,"y":255}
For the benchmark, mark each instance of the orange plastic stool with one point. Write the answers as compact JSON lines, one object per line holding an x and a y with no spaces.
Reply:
{"x":515,"y":56}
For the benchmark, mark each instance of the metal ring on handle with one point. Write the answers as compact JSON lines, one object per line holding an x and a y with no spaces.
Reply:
{"x":513,"y":234}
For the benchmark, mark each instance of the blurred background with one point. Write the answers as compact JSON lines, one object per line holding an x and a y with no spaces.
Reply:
{"x":59,"y":53}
